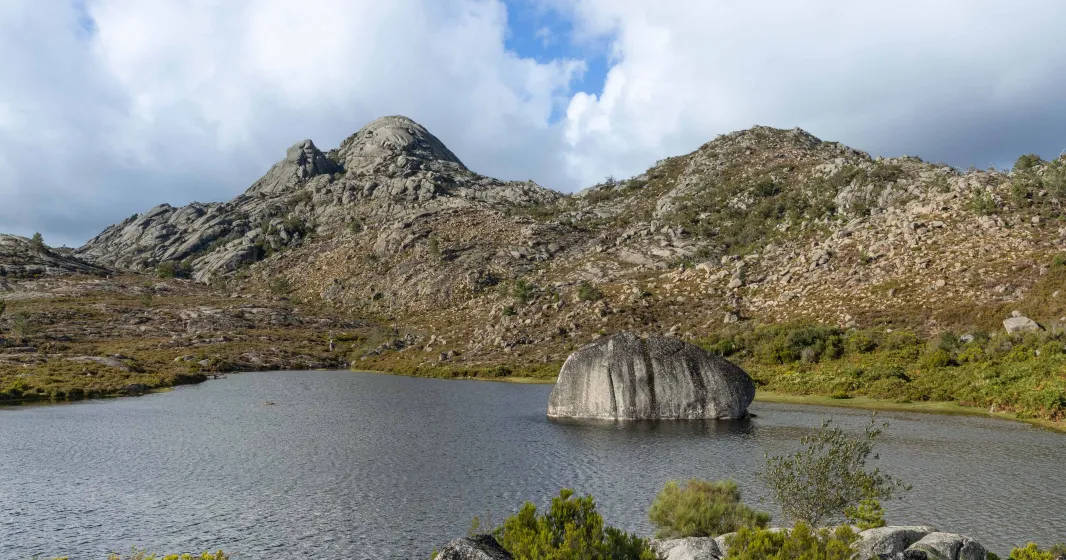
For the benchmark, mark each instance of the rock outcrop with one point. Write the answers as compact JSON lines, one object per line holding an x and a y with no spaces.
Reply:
{"x":21,"y":258}
{"x":624,"y":377}
{"x":691,"y":548}
{"x":949,"y":546}
{"x":480,"y":547}
{"x":888,"y":542}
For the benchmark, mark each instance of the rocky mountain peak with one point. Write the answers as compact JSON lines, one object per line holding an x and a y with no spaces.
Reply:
{"x":392,"y":137}
{"x":303,"y":160}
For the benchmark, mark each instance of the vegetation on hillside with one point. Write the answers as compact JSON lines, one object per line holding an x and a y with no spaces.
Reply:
{"x":1021,"y":373}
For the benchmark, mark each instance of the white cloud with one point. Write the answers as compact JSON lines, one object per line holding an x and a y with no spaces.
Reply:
{"x":179,"y":100}
{"x":957,"y":80}
{"x":172,"y":100}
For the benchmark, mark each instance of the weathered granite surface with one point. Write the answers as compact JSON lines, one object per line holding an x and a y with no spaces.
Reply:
{"x":625,"y":377}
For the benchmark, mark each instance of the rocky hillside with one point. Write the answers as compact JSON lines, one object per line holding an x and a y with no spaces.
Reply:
{"x":761,"y":224}
{"x":462,"y":271}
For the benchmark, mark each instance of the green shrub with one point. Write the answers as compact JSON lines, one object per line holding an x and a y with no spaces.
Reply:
{"x":172,"y":269}
{"x":867,"y":515}
{"x":523,"y":291}
{"x":23,"y":325}
{"x":702,"y":509}
{"x":37,"y":241}
{"x":570,"y":530}
{"x":433,"y":246}
{"x":799,"y":543}
{"x":1058,"y":260}
{"x":860,"y":342}
{"x":938,"y":359}
{"x":588,"y":292}
{"x":829,"y":477}
{"x":1032,"y":552}
{"x":280,"y":285}
{"x":1026,"y":163}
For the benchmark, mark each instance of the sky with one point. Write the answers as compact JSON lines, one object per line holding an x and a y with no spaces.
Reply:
{"x":110,"y":107}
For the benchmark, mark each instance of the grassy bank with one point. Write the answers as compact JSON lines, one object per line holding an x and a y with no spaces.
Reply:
{"x":866,"y":403}
{"x":1018,"y":376}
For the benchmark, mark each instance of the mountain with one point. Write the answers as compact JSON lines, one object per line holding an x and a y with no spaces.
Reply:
{"x":449,"y":269}
{"x":391,"y":166}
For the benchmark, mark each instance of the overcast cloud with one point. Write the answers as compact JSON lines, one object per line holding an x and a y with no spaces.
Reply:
{"x":108,"y":107}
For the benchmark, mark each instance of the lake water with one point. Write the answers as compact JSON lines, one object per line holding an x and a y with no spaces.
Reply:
{"x":355,"y":465}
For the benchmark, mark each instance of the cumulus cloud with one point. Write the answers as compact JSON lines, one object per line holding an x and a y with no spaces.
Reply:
{"x":108,"y":107}
{"x":955,"y":80}
{"x":111,"y":106}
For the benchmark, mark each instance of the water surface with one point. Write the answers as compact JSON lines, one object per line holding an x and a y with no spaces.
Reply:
{"x":356,"y":465}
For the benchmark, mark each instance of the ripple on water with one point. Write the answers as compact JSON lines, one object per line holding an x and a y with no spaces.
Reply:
{"x":362,"y":465}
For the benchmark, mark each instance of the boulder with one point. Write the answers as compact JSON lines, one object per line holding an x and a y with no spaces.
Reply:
{"x":949,"y":546}
{"x":481,"y":547}
{"x":692,"y":548}
{"x":1020,"y":323}
{"x":623,"y":377}
{"x":889,"y":541}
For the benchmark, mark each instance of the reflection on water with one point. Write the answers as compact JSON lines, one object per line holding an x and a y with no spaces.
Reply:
{"x":369,"y":466}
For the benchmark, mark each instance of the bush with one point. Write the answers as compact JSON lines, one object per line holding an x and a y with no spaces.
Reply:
{"x":37,"y":241}
{"x":867,"y":515}
{"x":1032,"y":552}
{"x":280,"y":285}
{"x":570,"y":530}
{"x":171,"y":269}
{"x":22,"y":325}
{"x":828,"y":478}
{"x":523,"y":291}
{"x":588,"y":292}
{"x":801,"y":542}
{"x":702,"y":509}
{"x":859,"y":342}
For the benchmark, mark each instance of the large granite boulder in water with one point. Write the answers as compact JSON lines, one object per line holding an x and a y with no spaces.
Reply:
{"x":624,"y":377}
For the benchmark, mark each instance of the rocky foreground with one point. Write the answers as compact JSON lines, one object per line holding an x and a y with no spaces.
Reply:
{"x":887,"y":543}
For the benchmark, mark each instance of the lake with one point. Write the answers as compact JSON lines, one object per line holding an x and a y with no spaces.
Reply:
{"x":359,"y":465}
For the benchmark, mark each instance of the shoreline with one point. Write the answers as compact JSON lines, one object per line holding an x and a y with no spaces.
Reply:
{"x":862,"y":403}
{"x":935,"y":407}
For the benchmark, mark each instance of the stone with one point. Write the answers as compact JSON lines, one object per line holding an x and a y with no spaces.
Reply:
{"x":624,"y":377}
{"x":949,"y":546}
{"x":1021,"y":323}
{"x":480,"y":547}
{"x":691,"y":548}
{"x":889,"y":541}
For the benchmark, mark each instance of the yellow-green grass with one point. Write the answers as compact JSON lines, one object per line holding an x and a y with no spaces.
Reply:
{"x":867,"y":403}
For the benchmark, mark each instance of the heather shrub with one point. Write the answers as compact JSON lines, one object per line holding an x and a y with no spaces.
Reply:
{"x":702,"y":509}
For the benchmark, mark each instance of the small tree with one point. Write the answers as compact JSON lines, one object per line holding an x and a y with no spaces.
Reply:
{"x":702,"y":509}
{"x":828,"y":479}
{"x":37,"y":241}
